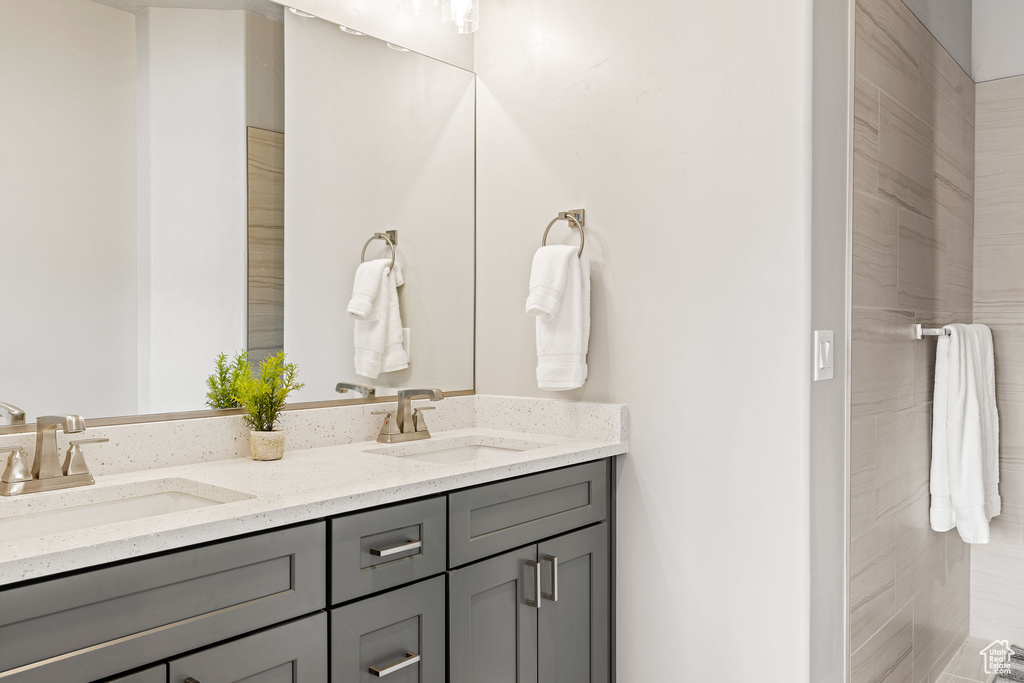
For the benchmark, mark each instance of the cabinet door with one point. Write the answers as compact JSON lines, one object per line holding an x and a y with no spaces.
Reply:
{"x":293,"y":653}
{"x":399,"y":634}
{"x":575,"y":613}
{"x":492,"y":627}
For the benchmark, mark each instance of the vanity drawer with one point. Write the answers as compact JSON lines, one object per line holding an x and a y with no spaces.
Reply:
{"x":401,"y":633}
{"x":292,"y":653}
{"x":95,"y":624}
{"x":488,"y":520}
{"x":155,"y":674}
{"x":380,"y":549}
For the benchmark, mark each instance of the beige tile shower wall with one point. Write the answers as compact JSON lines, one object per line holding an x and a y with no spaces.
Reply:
{"x":997,"y":588}
{"x":913,"y":242}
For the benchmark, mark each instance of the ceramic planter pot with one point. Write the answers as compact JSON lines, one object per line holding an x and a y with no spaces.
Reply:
{"x":267,"y":445}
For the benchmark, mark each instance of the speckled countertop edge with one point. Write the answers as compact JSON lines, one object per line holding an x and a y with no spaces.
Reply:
{"x":306,"y":485}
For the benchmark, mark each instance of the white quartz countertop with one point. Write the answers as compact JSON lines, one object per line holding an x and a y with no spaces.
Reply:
{"x":307,"y":484}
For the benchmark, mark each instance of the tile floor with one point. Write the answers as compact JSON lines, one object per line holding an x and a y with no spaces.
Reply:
{"x":967,"y":665}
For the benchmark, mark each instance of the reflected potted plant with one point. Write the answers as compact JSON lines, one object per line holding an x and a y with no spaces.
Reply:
{"x":222,"y":386}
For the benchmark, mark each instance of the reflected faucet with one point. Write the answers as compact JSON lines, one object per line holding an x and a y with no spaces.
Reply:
{"x":361,"y":389}
{"x":17,"y":415}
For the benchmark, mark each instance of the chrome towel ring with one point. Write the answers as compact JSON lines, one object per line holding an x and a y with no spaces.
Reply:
{"x":576,"y":221}
{"x":379,"y":236}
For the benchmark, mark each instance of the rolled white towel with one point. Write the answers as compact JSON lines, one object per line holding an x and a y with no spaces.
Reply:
{"x":366,"y":286}
{"x":548,"y":279}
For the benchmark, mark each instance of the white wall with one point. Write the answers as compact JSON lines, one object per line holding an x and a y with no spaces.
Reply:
{"x":193,"y":202}
{"x":376,"y":139}
{"x":67,"y":208}
{"x":998,"y":39}
{"x":950,"y":22}
{"x":386,"y":21}
{"x":684,"y":130}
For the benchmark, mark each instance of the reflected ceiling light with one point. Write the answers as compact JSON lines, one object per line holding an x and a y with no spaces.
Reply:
{"x":398,"y":48}
{"x":351,"y":31}
{"x":417,"y":7}
{"x":460,"y":16}
{"x":300,"y":13}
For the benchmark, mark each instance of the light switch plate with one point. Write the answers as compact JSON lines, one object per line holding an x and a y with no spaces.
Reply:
{"x":824,"y":352}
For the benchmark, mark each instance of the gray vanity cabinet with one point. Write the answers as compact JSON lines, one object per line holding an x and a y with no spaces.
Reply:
{"x":540,"y":614}
{"x":575,"y":613}
{"x":293,"y":653}
{"x":399,"y":635}
{"x":154,"y":674}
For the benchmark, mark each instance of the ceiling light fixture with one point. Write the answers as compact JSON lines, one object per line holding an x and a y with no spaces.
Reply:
{"x":398,"y":48}
{"x":417,"y":7}
{"x":351,"y":31}
{"x":460,"y":16}
{"x":300,"y":13}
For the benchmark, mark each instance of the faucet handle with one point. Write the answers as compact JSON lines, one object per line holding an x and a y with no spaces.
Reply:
{"x":18,"y":468}
{"x":74,"y":460}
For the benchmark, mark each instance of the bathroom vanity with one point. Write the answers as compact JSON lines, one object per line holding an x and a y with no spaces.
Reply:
{"x":476,"y":555}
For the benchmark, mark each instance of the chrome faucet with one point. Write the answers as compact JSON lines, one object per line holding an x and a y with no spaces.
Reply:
{"x":362,"y":390}
{"x":17,"y":415}
{"x":47,"y":473}
{"x":407,"y":424}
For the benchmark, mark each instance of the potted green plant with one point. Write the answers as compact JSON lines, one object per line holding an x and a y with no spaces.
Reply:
{"x":263,"y":396}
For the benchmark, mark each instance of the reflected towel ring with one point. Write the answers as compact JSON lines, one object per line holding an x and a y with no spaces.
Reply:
{"x":566,"y":216}
{"x":379,"y":236}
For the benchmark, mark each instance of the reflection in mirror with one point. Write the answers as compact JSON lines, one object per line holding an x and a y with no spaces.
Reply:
{"x":378,"y":139}
{"x":142,"y":201}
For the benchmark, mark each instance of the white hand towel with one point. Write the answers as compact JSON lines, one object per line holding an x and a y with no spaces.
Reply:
{"x":965,"y":434}
{"x":394,"y":356}
{"x":366,"y":286}
{"x":563,"y":320}
{"x":375,"y":333}
{"x":548,"y":278}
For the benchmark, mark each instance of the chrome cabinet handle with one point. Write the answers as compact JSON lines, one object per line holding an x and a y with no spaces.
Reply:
{"x":394,"y":550}
{"x":410,"y":659}
{"x":535,"y":602}
{"x":553,"y":595}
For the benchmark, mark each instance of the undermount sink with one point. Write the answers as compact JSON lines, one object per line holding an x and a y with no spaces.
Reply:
{"x":85,"y":508}
{"x":458,"y":449}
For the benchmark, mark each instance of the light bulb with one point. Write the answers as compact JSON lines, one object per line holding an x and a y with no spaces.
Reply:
{"x":398,"y":48}
{"x":461,"y":16}
{"x":417,"y":7}
{"x":300,"y":13}
{"x":351,"y":31}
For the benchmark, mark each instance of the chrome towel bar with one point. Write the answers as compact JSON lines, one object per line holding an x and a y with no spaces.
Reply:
{"x":576,"y":219}
{"x":920,"y":332}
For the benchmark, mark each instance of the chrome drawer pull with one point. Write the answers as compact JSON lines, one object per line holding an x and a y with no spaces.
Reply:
{"x":410,"y":659}
{"x":553,"y":595}
{"x":535,"y":602}
{"x":408,"y":545}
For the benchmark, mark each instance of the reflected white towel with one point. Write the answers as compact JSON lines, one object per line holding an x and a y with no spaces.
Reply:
{"x":375,"y":333}
{"x":965,"y":434}
{"x":366,"y":287}
{"x":562,"y":307}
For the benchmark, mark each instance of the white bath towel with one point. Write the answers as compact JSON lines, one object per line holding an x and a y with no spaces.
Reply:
{"x":376,"y":333}
{"x":561,"y":304}
{"x":965,"y":434}
{"x":366,"y":287}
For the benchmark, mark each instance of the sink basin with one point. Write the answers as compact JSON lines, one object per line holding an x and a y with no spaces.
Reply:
{"x":458,"y":449}
{"x":34,"y":515}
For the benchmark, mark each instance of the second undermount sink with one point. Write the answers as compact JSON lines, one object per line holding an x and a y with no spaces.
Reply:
{"x":85,"y":508}
{"x":458,"y":449}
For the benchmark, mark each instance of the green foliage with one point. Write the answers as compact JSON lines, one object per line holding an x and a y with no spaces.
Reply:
{"x":264,"y":396}
{"x":222,"y":386}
